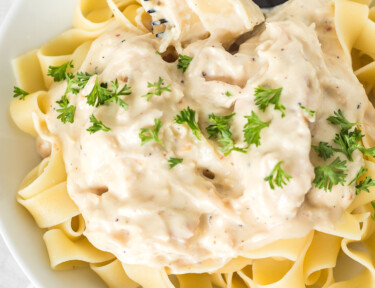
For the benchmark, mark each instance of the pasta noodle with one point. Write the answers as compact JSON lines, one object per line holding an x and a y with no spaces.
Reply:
{"x":305,"y":262}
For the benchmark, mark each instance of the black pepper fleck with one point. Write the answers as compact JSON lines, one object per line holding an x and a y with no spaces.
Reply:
{"x":204,"y":74}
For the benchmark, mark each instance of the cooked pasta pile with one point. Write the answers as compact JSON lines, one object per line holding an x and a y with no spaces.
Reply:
{"x":304,"y":262}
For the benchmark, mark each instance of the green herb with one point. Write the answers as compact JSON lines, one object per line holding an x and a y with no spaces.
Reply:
{"x":361,"y":172}
{"x":71,"y":82}
{"x":266,"y":96}
{"x":308,"y":111}
{"x":97,"y":125}
{"x":228,"y":94}
{"x":364,"y":185}
{"x":187,"y":116}
{"x":59,"y":72}
{"x":82,"y":79}
{"x":99,"y":94}
{"x":332,"y":174}
{"x":278,"y":176}
{"x":183,"y":62}
{"x":67,"y":111}
{"x":174,"y":162}
{"x":253,"y":128}
{"x":221,"y":131}
{"x":115,"y":96}
{"x":373,"y":207}
{"x":349,"y":142}
{"x":147,"y":134}
{"x":324,"y":150}
{"x":157,"y":53}
{"x":368,"y":152}
{"x":158,"y":89}
{"x":340,"y":120}
{"x":18,"y":92}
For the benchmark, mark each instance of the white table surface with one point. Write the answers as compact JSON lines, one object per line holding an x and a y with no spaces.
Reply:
{"x":11,"y":275}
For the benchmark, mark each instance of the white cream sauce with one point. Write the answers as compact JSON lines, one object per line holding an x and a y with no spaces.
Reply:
{"x":145,"y":213}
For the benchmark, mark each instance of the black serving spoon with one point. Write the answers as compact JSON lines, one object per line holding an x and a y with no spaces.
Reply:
{"x":268,"y":3}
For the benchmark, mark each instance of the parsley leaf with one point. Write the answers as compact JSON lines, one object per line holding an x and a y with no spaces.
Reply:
{"x":266,"y":96}
{"x":332,"y":174}
{"x":59,"y":72}
{"x":368,"y":152}
{"x":228,"y":94}
{"x":19,"y":92}
{"x":373,"y":206}
{"x":115,"y":97}
{"x":187,"y":116}
{"x":71,"y":81}
{"x":361,"y":172}
{"x":340,"y":120}
{"x":308,"y":111}
{"x":221,"y":131}
{"x":349,"y":142}
{"x":158,"y":89}
{"x":82,"y":79}
{"x":147,"y":134}
{"x":253,"y":128}
{"x":364,"y":185}
{"x":278,"y":176}
{"x":324,"y":150}
{"x":99,"y":94}
{"x":174,"y":162}
{"x":97,"y":125}
{"x":183,"y":62}
{"x":67,"y":111}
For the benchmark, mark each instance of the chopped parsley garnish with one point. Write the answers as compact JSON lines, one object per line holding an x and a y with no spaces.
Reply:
{"x":308,"y":111}
{"x":340,"y":120}
{"x":329,"y":175}
{"x":373,"y":207}
{"x":158,"y":88}
{"x":187,"y":116}
{"x":278,"y":177}
{"x":174,"y":162}
{"x":220,"y":130}
{"x":59,"y":72}
{"x":228,"y":94}
{"x":184,"y":62}
{"x":324,"y":150}
{"x":71,"y":84}
{"x":253,"y":128}
{"x":361,"y":172}
{"x":67,"y":111}
{"x":362,"y":185}
{"x":97,"y":125}
{"x":82,"y":79}
{"x":99,"y":94}
{"x":266,"y":96}
{"x":18,"y":92}
{"x":147,"y":134}
{"x":349,"y":142}
{"x":115,"y":95}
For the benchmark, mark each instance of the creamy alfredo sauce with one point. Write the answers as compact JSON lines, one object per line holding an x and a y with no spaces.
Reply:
{"x":210,"y":208}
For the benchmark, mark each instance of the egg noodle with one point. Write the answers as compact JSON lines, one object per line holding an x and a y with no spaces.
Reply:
{"x":305,"y":262}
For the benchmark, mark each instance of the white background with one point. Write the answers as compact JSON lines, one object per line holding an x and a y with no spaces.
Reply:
{"x":10,"y":274}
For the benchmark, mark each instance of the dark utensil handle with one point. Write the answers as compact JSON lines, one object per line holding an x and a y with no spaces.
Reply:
{"x":269,"y":3}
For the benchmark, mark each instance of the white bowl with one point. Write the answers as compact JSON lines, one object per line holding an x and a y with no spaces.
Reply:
{"x":29,"y":24}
